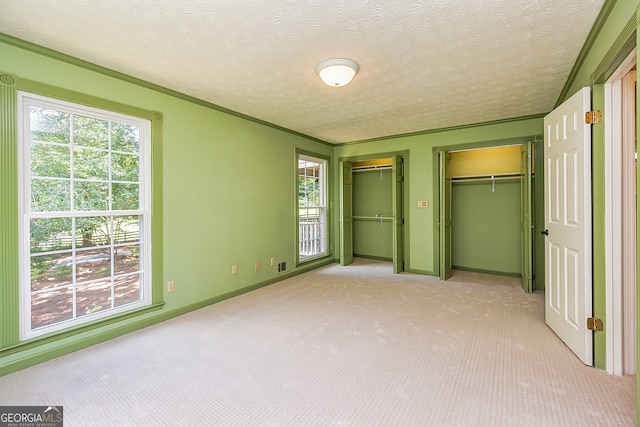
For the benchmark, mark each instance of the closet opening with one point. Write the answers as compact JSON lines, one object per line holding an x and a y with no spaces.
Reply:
{"x":373,"y":209}
{"x":372,"y":212}
{"x":486,"y":209}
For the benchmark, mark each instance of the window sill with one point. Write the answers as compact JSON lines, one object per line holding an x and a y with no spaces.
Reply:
{"x":312,"y":259}
{"x":77,"y":330}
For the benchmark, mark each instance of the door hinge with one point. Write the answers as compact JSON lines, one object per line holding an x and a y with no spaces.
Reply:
{"x":593,"y":117}
{"x":595,"y":324}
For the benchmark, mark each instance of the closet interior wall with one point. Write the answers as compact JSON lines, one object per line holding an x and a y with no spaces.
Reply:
{"x":372,"y":212}
{"x":486,"y":203}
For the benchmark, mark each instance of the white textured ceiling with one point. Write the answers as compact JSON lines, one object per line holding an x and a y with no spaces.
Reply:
{"x":424,"y":64}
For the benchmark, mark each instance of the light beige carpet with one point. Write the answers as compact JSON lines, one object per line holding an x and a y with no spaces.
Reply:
{"x":352,"y":345}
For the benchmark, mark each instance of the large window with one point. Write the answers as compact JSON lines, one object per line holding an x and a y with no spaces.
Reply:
{"x":84,"y":214}
{"x":312,"y":207}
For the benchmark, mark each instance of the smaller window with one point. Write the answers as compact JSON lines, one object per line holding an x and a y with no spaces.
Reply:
{"x":312,"y":207}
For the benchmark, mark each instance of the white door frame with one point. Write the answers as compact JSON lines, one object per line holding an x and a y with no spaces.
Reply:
{"x":620,"y":221}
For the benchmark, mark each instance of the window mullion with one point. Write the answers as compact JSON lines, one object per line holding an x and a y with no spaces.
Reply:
{"x":110,"y":172}
{"x":81,"y":214}
{"x":72,"y":202}
{"x":74,"y":267}
{"x":112,"y":262}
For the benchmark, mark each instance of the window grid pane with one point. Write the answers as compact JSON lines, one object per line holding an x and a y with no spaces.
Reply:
{"x":96,"y":168}
{"x":95,"y":253}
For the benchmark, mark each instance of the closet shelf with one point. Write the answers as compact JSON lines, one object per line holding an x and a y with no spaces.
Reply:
{"x":479,"y":178}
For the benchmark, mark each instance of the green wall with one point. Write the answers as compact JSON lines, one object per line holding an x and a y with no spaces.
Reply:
{"x":229,"y":196}
{"x":486,"y":227}
{"x":372,"y":196}
{"x":421,"y":224}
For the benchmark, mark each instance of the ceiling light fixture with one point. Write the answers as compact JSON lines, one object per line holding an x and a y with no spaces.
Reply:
{"x":337,"y":72}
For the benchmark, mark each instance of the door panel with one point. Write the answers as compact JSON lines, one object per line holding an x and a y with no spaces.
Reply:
{"x":567,"y":154}
{"x":398,"y":216}
{"x":553,"y":275}
{"x":346,"y":214}
{"x":446,"y":267}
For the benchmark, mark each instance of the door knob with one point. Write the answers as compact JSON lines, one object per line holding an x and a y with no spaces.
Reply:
{"x":545,"y":232}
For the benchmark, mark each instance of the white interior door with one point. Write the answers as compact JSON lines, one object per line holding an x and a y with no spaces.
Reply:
{"x":567,"y":157}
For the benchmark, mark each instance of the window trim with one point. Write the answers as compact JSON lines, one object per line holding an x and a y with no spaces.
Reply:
{"x":308,"y":155}
{"x":25,"y":101}
{"x":9,"y":303}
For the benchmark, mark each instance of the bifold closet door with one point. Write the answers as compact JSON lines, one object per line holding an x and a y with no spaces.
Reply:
{"x":346,"y":214}
{"x":397,"y":179}
{"x":446,"y":265}
{"x":526,"y":220}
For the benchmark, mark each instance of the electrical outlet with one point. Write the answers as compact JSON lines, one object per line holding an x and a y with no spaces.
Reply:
{"x":171,"y":286}
{"x":234,"y":269}
{"x":257,"y":266}
{"x":273,"y":261}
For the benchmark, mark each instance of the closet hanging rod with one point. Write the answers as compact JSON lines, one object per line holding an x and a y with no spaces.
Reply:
{"x":497,"y":178}
{"x":375,"y":218}
{"x":493,"y":180}
{"x":490,"y":176}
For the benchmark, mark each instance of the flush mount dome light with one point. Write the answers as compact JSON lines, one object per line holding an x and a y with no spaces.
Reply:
{"x":337,"y":72}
